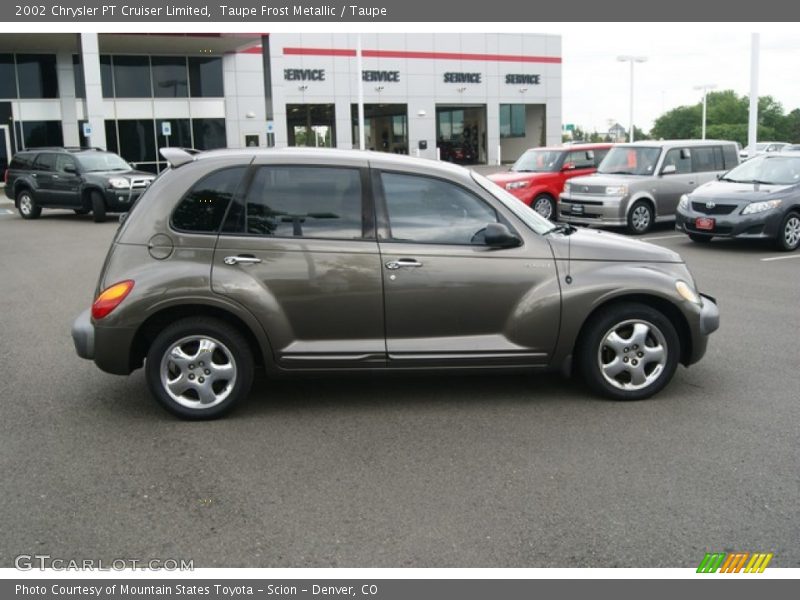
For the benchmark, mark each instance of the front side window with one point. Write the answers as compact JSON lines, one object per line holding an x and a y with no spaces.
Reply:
{"x":203,"y":208}
{"x":431,"y":211}
{"x":539,"y":161}
{"x":680,"y":158}
{"x":63,"y":161}
{"x":582,"y":159}
{"x":302,"y":202}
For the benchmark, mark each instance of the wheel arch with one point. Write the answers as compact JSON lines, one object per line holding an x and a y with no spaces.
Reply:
{"x":19,"y":186}
{"x":645,"y":197}
{"x":149,"y":329}
{"x":86,"y":195}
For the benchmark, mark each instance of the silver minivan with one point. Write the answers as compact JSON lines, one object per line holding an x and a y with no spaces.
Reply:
{"x":641,"y":183}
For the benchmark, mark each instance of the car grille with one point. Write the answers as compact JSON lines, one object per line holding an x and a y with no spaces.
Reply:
{"x":717,"y":209}
{"x":587,"y":189}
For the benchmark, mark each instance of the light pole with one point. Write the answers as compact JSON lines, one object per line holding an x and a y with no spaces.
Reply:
{"x":705,"y":88}
{"x":631,"y":59}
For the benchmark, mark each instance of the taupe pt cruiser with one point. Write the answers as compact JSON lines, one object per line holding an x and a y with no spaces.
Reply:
{"x":305,"y":261}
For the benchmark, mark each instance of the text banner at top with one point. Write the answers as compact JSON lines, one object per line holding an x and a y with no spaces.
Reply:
{"x":394,"y":11}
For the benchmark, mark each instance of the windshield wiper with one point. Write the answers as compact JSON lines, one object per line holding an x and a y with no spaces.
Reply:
{"x":564,"y":228}
{"x":615,"y":172}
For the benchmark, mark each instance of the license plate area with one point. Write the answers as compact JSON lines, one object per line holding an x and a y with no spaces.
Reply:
{"x":704,"y":224}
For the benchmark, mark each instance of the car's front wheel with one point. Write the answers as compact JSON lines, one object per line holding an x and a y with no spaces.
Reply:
{"x":28,"y":209}
{"x":629,"y":351}
{"x":199,"y":368}
{"x":98,"y":207}
{"x":789,"y":233}
{"x":545,"y":205}
{"x":640,"y":218}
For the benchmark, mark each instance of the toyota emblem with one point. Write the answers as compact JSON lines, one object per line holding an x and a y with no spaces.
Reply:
{"x":710,"y":205}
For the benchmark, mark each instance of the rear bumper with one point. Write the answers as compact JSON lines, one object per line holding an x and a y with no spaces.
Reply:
{"x":83,"y":335}
{"x":109,"y":347}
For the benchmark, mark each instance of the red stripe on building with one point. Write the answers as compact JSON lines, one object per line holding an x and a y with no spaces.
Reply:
{"x":423,"y":55}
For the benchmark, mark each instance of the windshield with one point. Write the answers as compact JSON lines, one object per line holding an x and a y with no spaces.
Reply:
{"x":102,"y":161}
{"x":528,"y":216}
{"x":761,"y":146}
{"x":630,"y":160}
{"x":777,"y":170}
{"x":538,"y":161}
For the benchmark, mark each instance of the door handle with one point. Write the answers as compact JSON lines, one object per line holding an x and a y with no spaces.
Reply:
{"x":402,"y":262}
{"x":691,"y":183}
{"x":242,"y":259}
{"x":55,"y":176}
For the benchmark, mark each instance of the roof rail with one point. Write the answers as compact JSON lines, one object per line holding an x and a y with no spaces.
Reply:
{"x":178,"y":156}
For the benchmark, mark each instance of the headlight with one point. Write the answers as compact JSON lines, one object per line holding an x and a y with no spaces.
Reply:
{"x":757,"y":207}
{"x":119,"y":183}
{"x":515,"y":185}
{"x":616,"y":190}
{"x":684,"y":202}
{"x":686,"y":292}
{"x":566,"y":188}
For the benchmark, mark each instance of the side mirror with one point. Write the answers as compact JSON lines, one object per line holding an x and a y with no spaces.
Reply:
{"x":498,"y":235}
{"x":568,"y":166}
{"x":669,"y":170}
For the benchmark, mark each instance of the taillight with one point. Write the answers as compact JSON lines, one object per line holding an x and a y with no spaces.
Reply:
{"x":110,"y":298}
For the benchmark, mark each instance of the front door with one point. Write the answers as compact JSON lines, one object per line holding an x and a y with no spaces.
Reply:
{"x":66,"y":183}
{"x":671,"y":186}
{"x":449,"y":299}
{"x":299,"y":252}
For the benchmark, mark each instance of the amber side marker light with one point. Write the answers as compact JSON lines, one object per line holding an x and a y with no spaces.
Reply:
{"x":110,"y":298}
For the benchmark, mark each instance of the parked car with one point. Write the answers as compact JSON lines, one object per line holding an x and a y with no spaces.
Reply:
{"x":81,"y":179}
{"x":537,"y":177}
{"x":641,"y":183}
{"x":763,"y":148}
{"x":304,"y":261}
{"x":759,"y":199}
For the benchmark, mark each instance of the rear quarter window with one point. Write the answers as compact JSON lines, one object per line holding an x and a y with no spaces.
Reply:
{"x":203,"y":207}
{"x":21,"y":161}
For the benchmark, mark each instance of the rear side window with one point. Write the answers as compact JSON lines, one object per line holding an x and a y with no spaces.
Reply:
{"x":301,"y":202}
{"x":21,"y":161}
{"x":703,"y":160}
{"x":203,"y":207}
{"x":730,"y":155}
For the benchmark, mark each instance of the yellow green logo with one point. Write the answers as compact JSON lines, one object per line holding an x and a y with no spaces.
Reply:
{"x":734,"y":562}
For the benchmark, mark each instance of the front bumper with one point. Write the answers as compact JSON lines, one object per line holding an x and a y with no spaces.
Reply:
{"x":592,"y":209}
{"x":706,"y":323}
{"x":765,"y":225}
{"x":122,"y":199}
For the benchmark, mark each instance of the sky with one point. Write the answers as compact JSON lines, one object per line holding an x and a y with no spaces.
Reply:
{"x":680,"y":56}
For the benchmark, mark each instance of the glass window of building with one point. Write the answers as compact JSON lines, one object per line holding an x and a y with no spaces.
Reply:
{"x":77,"y":75}
{"x":111,"y":136}
{"x":209,"y":133}
{"x":137,"y":140}
{"x":170,"y":79}
{"x":180,"y":137}
{"x":205,"y":77}
{"x":42,"y":133}
{"x":512,"y":120}
{"x":106,"y":76}
{"x":36,"y":74}
{"x":132,"y":77}
{"x":8,"y":78}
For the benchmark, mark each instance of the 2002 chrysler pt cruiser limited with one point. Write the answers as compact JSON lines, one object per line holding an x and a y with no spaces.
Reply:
{"x":326,"y":260}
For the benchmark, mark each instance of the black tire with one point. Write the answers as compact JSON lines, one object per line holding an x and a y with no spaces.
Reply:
{"x":98,"y":207}
{"x":231,"y":348}
{"x":81,"y":211}
{"x":788,"y":238}
{"x":545,"y":205}
{"x":593,"y":350}
{"x":700,"y":239}
{"x":640,"y":217}
{"x":26,"y":205}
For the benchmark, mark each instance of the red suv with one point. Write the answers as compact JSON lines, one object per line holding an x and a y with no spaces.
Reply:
{"x":538,"y":176}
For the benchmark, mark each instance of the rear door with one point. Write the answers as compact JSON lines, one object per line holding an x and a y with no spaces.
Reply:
{"x":298,"y":250}
{"x":44,"y":168}
{"x":449,"y":299}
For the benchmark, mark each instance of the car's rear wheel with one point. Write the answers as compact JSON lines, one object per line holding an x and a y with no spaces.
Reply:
{"x":640,"y":218}
{"x":789,"y":232}
{"x":98,"y":207}
{"x":28,"y":209}
{"x":700,"y":239}
{"x":545,"y":205}
{"x":628,"y":352}
{"x":199,"y":368}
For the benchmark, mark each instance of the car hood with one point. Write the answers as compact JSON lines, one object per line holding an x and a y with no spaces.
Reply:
{"x":509,"y":176}
{"x":601,"y":179}
{"x":596,"y":244}
{"x":739,"y":192}
{"x":132,"y":174}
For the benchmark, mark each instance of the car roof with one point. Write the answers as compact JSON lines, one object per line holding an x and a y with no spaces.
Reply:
{"x":575,"y":146}
{"x":670,"y":143}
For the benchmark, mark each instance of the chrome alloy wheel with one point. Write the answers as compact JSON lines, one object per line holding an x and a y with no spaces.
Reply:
{"x":544,"y":207}
{"x":632,"y":355}
{"x":25,"y":204}
{"x":640,"y":218}
{"x":198,"y":372}
{"x":791,"y":232}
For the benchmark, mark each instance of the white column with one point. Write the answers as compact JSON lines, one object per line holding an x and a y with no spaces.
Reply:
{"x":752,"y":127}
{"x":90,"y":59}
{"x":66,"y":94}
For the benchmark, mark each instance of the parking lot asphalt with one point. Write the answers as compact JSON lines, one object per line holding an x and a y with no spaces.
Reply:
{"x":436,"y":471}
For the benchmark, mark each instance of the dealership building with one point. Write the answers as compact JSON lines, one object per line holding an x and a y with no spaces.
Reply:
{"x":467,"y":97}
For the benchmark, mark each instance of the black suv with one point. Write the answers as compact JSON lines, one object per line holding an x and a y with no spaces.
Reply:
{"x":81,"y":179}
